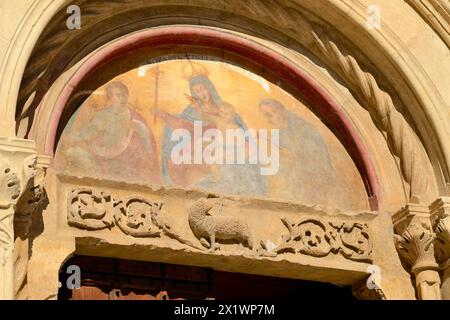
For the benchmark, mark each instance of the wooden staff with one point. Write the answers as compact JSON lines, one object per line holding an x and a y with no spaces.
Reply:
{"x":155,"y":102}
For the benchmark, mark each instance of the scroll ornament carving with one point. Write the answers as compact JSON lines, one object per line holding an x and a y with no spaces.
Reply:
{"x":88,"y":210}
{"x":91,"y":210}
{"x":138,"y":217}
{"x":319,"y":238}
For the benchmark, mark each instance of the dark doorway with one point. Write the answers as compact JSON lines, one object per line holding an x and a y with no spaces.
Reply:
{"x":116,"y":279}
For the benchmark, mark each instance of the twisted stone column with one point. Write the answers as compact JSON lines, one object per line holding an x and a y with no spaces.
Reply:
{"x":415,"y":243}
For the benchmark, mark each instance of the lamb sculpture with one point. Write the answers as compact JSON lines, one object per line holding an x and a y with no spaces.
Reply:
{"x":210,"y":228}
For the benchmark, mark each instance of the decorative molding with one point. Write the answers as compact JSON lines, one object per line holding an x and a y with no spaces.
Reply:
{"x":436,"y":14}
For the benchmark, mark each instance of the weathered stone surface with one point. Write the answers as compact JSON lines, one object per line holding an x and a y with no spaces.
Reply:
{"x":390,"y":89}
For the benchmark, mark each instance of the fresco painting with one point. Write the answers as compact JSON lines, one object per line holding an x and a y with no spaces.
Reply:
{"x":123,"y":132}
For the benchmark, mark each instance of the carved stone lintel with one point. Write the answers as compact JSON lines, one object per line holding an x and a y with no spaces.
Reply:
{"x":415,"y":243}
{"x":206,"y":220}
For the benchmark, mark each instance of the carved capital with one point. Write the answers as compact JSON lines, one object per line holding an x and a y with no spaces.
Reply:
{"x":440,"y":217}
{"x":9,"y":185}
{"x":17,"y":191}
{"x":21,"y":194}
{"x":442,"y":248}
{"x":414,"y":239}
{"x":9,"y":193}
{"x":415,"y":243}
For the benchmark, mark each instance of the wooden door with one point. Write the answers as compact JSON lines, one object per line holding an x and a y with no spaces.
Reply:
{"x":115,"y":279}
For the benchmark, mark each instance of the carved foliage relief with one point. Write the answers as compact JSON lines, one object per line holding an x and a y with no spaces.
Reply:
{"x":205,"y":221}
{"x":319,"y":238}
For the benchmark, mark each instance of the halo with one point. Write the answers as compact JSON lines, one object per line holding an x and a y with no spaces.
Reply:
{"x":194,"y":69}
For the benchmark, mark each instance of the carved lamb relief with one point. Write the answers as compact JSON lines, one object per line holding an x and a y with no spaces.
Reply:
{"x":210,"y":228}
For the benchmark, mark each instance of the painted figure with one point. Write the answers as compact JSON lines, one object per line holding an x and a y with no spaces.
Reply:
{"x":306,"y":171}
{"x":116,"y":142}
{"x":206,"y":106}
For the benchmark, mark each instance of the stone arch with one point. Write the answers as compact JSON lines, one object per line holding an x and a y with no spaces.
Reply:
{"x":380,"y":43}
